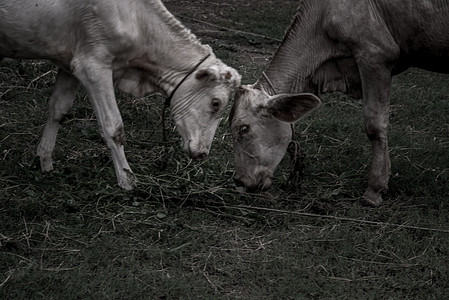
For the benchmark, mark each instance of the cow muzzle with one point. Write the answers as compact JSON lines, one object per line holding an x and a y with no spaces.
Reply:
{"x":259,"y":184}
{"x":196,"y":152}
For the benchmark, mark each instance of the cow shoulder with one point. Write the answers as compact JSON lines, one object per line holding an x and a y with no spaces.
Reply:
{"x":362,"y":28}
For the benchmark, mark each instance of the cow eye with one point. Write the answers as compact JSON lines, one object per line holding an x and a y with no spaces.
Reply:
{"x":244,"y":129}
{"x":216,"y":103}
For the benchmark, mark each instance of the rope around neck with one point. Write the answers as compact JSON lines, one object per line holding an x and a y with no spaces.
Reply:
{"x":169,"y":98}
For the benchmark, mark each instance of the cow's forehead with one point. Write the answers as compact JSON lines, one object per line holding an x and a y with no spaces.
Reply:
{"x":247,"y":105}
{"x":242,"y":104}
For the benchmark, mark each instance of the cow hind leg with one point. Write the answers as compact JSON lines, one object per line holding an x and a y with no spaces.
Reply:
{"x":97,"y":79}
{"x":60,"y":102}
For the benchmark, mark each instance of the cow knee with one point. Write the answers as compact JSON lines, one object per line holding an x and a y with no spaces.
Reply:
{"x":372,"y":133}
{"x":59,"y":116}
{"x":119,"y":135}
{"x":376,"y":130}
{"x":59,"y":107}
{"x":114,"y":134}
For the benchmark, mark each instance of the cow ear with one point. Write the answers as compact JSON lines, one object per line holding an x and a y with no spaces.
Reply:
{"x":208,"y":74}
{"x":291,"y":108}
{"x":228,"y":76}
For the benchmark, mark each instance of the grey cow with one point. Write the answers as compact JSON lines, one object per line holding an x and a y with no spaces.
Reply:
{"x":351,"y":46}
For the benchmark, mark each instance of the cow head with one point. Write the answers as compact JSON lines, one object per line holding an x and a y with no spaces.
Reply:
{"x":261,"y":129}
{"x":199,"y":103}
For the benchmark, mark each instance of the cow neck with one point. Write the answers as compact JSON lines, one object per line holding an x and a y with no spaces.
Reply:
{"x":270,"y":84}
{"x":291,"y":68}
{"x":176,"y":49}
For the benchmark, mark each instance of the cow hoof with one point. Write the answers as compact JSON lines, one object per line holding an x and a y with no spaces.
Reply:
{"x":372,"y":198}
{"x":46,"y":164}
{"x":127,"y":182}
{"x":126,"y":185}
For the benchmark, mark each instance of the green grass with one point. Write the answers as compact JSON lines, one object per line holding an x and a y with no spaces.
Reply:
{"x":186,"y":232}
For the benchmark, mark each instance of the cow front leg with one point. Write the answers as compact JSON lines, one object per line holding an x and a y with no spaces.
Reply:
{"x":376,"y":97}
{"x":59,"y":104}
{"x":97,"y":80}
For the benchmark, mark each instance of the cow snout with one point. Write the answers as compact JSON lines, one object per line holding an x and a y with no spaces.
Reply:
{"x":198,"y":152}
{"x":264,"y":184}
{"x":253,"y":185}
{"x":199,"y":155}
{"x":238,"y":182}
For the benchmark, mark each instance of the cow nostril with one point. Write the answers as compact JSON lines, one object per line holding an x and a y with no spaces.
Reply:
{"x":238,"y":182}
{"x":201,"y":156}
{"x":264,"y":184}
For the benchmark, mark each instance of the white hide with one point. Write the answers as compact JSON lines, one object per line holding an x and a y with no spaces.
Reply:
{"x":134,"y":45}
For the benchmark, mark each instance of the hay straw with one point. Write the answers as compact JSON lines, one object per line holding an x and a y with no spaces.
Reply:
{"x":345,"y":219}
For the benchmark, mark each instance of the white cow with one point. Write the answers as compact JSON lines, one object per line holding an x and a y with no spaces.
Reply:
{"x":134,"y":45}
{"x":351,"y":46}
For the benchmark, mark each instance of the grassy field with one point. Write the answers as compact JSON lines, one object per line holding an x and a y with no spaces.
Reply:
{"x":186,"y":232}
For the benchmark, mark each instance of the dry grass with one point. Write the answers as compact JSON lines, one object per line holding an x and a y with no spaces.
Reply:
{"x":187,"y":231}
